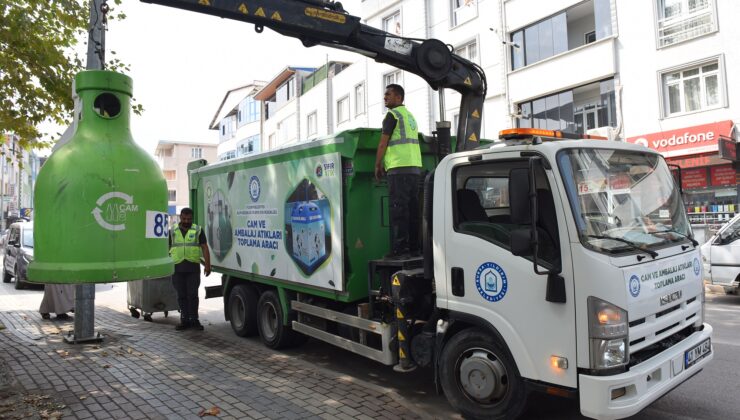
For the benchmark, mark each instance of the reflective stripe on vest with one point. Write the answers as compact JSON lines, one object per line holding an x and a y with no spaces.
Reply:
{"x":187,"y":247}
{"x":403,"y":146}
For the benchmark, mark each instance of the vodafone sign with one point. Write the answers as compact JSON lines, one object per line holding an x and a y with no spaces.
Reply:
{"x":686,"y":141}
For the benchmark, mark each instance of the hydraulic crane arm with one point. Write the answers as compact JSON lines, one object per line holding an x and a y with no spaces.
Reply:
{"x":324,"y":22}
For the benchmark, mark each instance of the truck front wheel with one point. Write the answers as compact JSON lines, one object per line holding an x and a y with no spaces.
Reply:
{"x":243,"y":310}
{"x":479,"y":377}
{"x":274,"y":334}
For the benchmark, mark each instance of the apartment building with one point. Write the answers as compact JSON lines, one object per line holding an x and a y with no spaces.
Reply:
{"x":18,"y":171}
{"x":658,"y":72}
{"x":239,"y":122}
{"x":173,"y":157}
{"x":281,"y":106}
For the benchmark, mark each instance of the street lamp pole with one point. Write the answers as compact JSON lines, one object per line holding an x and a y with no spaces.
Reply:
{"x":85,"y":293}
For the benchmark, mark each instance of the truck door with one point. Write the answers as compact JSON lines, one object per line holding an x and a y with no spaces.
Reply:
{"x":484,"y":279}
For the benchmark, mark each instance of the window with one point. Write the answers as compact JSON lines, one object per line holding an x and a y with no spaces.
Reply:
{"x":248,"y":146}
{"x":171,"y":195}
{"x":692,"y":89}
{"x":248,"y":111}
{"x":483,"y":205}
{"x":681,"y":20}
{"x":360,"y":99}
{"x":343,"y":109}
{"x":231,"y":154}
{"x":574,"y":111}
{"x":311,"y":124}
{"x":463,"y":11}
{"x":169,"y":174}
{"x":392,"y":23}
{"x":468,"y":51}
{"x":196,"y":152}
{"x":579,"y":25}
{"x":286,"y":91}
{"x":392,"y":78}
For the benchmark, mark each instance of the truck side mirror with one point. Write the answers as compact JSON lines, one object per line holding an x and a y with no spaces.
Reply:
{"x":521,"y":242}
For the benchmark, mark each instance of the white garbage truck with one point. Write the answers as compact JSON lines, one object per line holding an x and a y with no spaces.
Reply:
{"x":549,"y":263}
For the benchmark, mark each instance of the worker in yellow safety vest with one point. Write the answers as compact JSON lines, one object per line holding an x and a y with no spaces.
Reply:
{"x":187,"y":246}
{"x":399,"y":158}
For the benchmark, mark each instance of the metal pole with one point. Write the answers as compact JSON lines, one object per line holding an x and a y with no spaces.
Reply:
{"x":3,"y":165}
{"x":442,"y":116}
{"x":444,"y":145}
{"x":85,"y":293}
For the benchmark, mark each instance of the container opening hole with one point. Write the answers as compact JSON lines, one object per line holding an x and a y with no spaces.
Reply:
{"x":107,"y":105}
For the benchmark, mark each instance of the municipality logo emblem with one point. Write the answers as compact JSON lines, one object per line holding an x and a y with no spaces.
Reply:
{"x":491,"y":282}
{"x":634,"y":285}
{"x":254,"y":188}
{"x":697,"y":267}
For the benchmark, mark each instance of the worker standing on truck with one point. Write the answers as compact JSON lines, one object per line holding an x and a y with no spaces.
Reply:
{"x":399,"y":157}
{"x":187,"y":246}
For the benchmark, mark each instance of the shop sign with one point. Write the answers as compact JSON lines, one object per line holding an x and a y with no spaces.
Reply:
{"x":728,"y":149}
{"x":693,"y":178}
{"x":722,"y":175}
{"x":685,"y":141}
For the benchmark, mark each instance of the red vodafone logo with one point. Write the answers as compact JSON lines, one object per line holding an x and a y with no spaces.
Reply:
{"x":685,"y":141}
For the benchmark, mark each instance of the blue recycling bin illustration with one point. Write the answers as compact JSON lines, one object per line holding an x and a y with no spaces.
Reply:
{"x":309,"y":246}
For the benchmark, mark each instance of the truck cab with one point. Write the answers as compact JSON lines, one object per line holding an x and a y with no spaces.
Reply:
{"x":574,"y":262}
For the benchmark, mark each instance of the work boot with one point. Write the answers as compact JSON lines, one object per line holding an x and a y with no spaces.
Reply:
{"x":184,"y":325}
{"x":196,"y":325}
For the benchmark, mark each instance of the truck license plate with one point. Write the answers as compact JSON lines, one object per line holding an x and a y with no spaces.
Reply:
{"x":697,"y":353}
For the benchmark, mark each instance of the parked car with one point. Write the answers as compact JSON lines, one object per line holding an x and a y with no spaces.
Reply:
{"x":18,"y":253}
{"x":3,"y":239}
{"x":721,"y":257}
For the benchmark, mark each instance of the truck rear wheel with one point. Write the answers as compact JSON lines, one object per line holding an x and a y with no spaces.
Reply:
{"x":243,"y":310}
{"x":274,"y":334}
{"x":479,"y":377}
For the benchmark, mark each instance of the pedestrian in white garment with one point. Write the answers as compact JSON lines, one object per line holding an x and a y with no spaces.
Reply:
{"x":58,"y":299}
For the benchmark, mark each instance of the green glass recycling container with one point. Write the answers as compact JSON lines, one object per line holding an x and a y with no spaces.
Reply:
{"x":100,"y":200}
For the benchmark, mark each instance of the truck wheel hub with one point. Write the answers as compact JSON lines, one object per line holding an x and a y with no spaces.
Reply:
{"x":482,"y":376}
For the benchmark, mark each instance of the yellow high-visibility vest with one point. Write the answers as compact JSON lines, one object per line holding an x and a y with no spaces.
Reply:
{"x":403,"y":146}
{"x":185,"y":248}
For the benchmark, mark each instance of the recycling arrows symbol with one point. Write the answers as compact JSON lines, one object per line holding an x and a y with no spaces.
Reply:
{"x":97,"y":212}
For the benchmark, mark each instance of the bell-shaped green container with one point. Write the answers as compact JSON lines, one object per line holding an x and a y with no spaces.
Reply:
{"x":100,"y":201}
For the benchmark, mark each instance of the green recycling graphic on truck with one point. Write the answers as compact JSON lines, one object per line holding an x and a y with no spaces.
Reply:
{"x":281,"y":220}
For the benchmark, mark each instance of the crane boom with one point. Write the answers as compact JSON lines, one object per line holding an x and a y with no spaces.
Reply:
{"x":324,"y":22}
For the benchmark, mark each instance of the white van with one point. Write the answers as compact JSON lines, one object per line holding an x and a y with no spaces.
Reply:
{"x":721,"y":256}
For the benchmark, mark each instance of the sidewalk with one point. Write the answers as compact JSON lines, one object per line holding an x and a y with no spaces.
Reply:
{"x":146,"y":370}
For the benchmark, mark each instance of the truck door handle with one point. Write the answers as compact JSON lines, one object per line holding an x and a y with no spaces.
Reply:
{"x":458,"y":281}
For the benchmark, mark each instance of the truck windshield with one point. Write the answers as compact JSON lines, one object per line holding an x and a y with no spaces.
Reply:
{"x":629,"y":196}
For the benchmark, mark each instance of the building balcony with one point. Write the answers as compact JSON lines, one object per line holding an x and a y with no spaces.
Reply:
{"x":585,"y":64}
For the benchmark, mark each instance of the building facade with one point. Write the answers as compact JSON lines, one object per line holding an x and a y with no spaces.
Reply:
{"x":173,"y":157}
{"x":659,"y":73}
{"x":239,"y":123}
{"x":19,"y":169}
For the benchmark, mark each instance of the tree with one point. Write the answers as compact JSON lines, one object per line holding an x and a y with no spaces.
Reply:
{"x":39,"y":57}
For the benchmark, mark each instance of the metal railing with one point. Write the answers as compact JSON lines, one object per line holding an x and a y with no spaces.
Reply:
{"x":681,"y":28}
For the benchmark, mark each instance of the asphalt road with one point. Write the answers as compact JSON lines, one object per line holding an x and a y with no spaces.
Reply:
{"x":712,"y":394}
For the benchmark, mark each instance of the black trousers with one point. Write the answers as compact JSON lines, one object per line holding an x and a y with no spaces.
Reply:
{"x":186,"y":285}
{"x":403,"y":191}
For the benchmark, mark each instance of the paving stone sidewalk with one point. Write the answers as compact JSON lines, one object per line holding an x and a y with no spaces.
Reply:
{"x":145,"y":370}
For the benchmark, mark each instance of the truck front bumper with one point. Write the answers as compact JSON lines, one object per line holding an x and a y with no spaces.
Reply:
{"x":644,"y":383}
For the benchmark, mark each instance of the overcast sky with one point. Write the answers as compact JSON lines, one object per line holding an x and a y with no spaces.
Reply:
{"x":183,"y":63}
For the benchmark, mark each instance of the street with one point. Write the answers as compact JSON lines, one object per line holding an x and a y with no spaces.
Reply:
{"x":705,"y":396}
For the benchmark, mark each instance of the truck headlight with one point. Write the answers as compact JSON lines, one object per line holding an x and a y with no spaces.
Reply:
{"x":608,"y":333}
